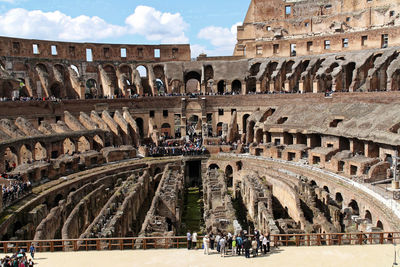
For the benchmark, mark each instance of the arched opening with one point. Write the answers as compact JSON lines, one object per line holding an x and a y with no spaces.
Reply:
{"x":26,"y":154}
{"x":244,"y":122}
{"x":313,"y":183}
{"x":339,"y":197}
{"x":368,"y":216}
{"x":160,"y":87}
{"x":379,"y":224}
{"x":166,"y":130}
{"x":221,"y":87}
{"x":91,"y":89}
{"x":6,"y":90}
{"x":326,"y":189}
{"x":56,"y":90}
{"x":213,"y":167}
{"x":176,"y":86}
{"x":126,"y":75}
{"x":83,"y":144}
{"x":58,"y":198}
{"x":208,"y":77}
{"x":142,"y":71}
{"x":192,"y":82}
{"x":239,"y":165}
{"x":112,"y":76}
{"x":354,"y":206}
{"x":259,"y":136}
{"x":140,"y":124}
{"x":229,"y":175}
{"x":40,"y":151}
{"x":98,"y":143}
{"x":236,"y":87}
{"x":10,"y":158}
{"x":251,"y":85}
{"x":68,"y":147}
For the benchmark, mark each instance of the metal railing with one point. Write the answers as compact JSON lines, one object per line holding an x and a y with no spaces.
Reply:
{"x":167,"y":242}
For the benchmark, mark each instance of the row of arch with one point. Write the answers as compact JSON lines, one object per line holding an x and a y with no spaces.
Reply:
{"x":352,"y":207}
{"x":27,"y":153}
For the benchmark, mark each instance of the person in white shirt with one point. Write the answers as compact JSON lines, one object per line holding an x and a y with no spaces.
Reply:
{"x":194,"y":240}
{"x":206,"y":243}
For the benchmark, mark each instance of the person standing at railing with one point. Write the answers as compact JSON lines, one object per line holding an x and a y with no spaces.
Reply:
{"x":189,"y":239}
{"x":32,"y":250}
{"x":194,"y":240}
{"x":206,"y":244}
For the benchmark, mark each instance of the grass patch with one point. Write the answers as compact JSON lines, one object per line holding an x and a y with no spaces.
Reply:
{"x":192,"y":214}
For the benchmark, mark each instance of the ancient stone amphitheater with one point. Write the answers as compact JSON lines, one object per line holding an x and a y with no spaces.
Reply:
{"x":301,"y":142}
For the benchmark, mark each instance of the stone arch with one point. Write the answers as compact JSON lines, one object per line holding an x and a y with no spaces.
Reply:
{"x":69,"y":146}
{"x":176,"y":86}
{"x":112,"y":75}
{"x":56,"y":90}
{"x":83,"y":144}
{"x":40,"y":151}
{"x":98,"y":143}
{"x":229,"y":175}
{"x":213,"y":166}
{"x":251,"y":85}
{"x":368,"y":216}
{"x":192,"y":82}
{"x":379,"y":224}
{"x":237,"y":87}
{"x":339,"y":197}
{"x":91,"y":90}
{"x":160,"y":86}
{"x":239,"y":165}
{"x":143,"y":72}
{"x":221,"y":86}
{"x":57,"y":199}
{"x":26,"y":155}
{"x":313,"y":183}
{"x":354,"y":206}
{"x":326,"y":188}
{"x":140,"y":124}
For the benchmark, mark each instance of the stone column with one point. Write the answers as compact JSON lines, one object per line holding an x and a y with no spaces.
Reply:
{"x":258,"y":86}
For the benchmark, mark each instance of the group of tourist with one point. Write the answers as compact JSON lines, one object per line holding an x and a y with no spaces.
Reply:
{"x":171,"y":148}
{"x":234,"y":245}
{"x":14,"y":188}
{"x":19,"y":259}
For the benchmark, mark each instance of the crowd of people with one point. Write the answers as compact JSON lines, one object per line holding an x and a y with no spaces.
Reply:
{"x":233,"y":245}
{"x":14,"y":188}
{"x":174,"y":148}
{"x":19,"y":259}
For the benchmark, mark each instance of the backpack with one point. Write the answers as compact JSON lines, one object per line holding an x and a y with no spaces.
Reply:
{"x":234,"y":243}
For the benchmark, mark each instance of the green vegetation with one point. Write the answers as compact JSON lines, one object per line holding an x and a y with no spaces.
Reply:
{"x":192,"y":217}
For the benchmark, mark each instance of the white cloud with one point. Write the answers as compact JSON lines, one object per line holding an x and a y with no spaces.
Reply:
{"x":223,"y":39}
{"x":145,"y":21}
{"x":157,"y":26}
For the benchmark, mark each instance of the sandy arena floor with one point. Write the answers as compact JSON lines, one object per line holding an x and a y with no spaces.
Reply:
{"x":376,"y":256}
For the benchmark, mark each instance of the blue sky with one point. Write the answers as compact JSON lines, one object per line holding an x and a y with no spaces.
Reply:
{"x":209,"y":26}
